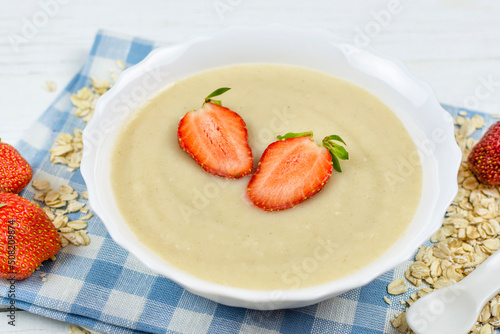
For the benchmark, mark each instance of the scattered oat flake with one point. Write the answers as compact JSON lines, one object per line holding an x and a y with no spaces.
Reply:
{"x":40,"y":196}
{"x":66,"y":189}
{"x":387,"y":300}
{"x":75,"y":206}
{"x":52,"y":195}
{"x":121,"y":64}
{"x":77,"y":330}
{"x":50,"y":86}
{"x":49,"y":213}
{"x":66,"y":229}
{"x":77,"y":224}
{"x":60,"y":212}
{"x":79,"y":238}
{"x":64,"y":242}
{"x":100,"y":86}
{"x":71,"y":237}
{"x":478,"y":121}
{"x":399,"y":322}
{"x":87,"y":216}
{"x":397,"y":287}
{"x":60,"y":221}
{"x":85,"y":237}
{"x":69,"y":197}
{"x":40,"y":184}
{"x":55,"y":203}
{"x":85,"y":194}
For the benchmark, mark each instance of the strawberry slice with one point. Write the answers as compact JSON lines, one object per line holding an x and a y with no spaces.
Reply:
{"x":293,"y":169}
{"x":217,"y":139}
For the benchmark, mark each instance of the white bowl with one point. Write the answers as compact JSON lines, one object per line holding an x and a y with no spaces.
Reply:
{"x":412,"y":101}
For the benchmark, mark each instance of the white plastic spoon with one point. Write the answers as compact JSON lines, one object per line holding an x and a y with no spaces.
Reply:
{"x":455,"y":309}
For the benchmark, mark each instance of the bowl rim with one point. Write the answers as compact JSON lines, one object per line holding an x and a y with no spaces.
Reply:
{"x":263,"y":299}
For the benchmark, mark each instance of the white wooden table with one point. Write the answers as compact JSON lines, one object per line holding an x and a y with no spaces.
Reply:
{"x":454,"y":45}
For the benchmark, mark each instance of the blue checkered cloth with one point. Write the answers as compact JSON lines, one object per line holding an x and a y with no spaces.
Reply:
{"x":103,"y":287}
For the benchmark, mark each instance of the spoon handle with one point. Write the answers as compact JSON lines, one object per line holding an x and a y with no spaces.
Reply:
{"x":484,"y":281}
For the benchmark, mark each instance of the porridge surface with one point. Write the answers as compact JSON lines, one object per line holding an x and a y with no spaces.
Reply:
{"x":206,"y":226}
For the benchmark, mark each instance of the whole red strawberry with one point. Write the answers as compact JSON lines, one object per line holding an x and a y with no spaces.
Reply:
{"x":15,"y":172}
{"x":217,"y":139}
{"x":484,"y":159}
{"x":27,"y":237}
{"x":293,"y":169}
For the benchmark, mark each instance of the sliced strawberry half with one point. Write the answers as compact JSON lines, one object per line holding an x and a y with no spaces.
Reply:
{"x":293,"y":169}
{"x":217,"y":139}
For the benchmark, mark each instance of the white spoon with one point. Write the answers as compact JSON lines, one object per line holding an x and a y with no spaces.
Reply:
{"x":455,"y":309}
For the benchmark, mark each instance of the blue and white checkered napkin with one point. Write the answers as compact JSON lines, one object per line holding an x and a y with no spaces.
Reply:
{"x":102,"y":286}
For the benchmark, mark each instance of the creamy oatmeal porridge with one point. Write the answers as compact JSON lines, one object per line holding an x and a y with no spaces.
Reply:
{"x":206,"y":226}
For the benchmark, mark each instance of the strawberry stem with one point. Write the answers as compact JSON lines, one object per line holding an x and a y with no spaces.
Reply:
{"x":336,"y":151}
{"x":296,"y":135}
{"x":2,"y":204}
{"x":215,"y":93}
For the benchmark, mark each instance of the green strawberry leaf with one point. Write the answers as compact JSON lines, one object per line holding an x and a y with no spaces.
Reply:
{"x":337,"y":138}
{"x":336,"y":164}
{"x":295,"y":135}
{"x":215,"y":93}
{"x":2,"y":204}
{"x":336,"y":151}
{"x":340,"y":152}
